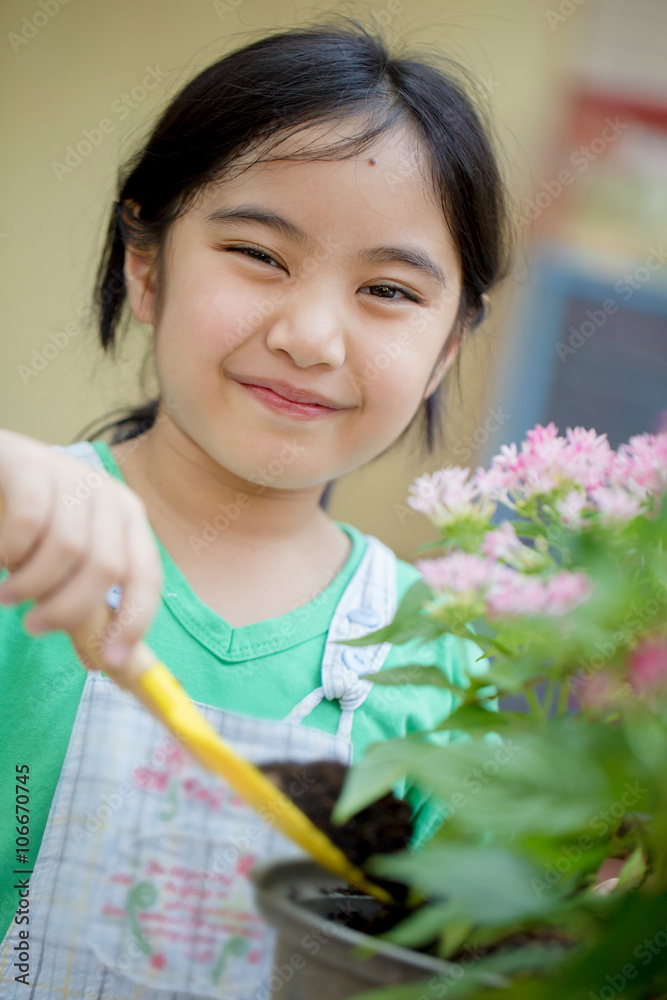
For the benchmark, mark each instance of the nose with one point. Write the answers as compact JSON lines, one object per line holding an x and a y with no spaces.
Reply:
{"x":308,"y":327}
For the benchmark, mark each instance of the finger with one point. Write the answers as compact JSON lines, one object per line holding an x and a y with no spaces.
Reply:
{"x":27,"y":507}
{"x":78,"y":597}
{"x":141,"y":589}
{"x":109,"y":527}
{"x":104,"y":567}
{"x":63,"y":547}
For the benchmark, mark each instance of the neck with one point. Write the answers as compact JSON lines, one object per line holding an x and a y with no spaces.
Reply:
{"x":186,"y":491}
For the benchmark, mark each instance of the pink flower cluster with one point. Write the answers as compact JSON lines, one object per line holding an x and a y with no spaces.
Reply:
{"x":546,"y":461}
{"x":641,"y":464}
{"x":503,"y":591}
{"x":591,"y":480}
{"x":615,"y":486}
{"x":445,"y":495}
{"x":502,"y":543}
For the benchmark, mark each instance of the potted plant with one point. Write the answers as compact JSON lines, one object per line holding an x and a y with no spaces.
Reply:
{"x":323,"y":946}
{"x":549,"y":871}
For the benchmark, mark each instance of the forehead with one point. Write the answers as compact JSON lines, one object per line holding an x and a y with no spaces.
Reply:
{"x":384,"y":191}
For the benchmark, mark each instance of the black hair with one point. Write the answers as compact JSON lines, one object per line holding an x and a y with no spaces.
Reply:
{"x":273,"y":88}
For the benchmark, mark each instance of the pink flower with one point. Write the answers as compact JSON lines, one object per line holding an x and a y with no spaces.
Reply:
{"x":547,"y":461}
{"x":515,"y":595}
{"x":616,"y":504}
{"x":570,"y":508}
{"x":456,"y":494}
{"x":565,"y":591}
{"x":459,"y":571}
{"x":586,"y":458}
{"x":447,"y":495}
{"x":504,"y":476}
{"x":647,"y":668}
{"x":521,"y":594}
{"x":501,"y":543}
{"x":583,"y":459}
{"x":493,"y":484}
{"x":543,"y":449}
{"x":425,"y":492}
{"x":505,"y":591}
{"x":641,"y":464}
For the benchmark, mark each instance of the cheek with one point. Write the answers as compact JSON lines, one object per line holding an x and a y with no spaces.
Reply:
{"x":393,"y":376}
{"x":201,"y":324}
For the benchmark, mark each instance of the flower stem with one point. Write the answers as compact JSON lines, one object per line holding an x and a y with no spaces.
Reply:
{"x":533,"y":701}
{"x":547,"y":704}
{"x":562,"y":699}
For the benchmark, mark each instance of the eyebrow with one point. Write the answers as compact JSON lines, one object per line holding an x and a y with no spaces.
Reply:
{"x":410,"y":256}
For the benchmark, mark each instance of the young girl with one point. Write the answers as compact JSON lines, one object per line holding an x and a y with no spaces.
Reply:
{"x":310,"y":230}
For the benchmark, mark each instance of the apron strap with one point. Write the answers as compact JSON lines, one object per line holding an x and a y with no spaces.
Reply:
{"x":368,"y":603}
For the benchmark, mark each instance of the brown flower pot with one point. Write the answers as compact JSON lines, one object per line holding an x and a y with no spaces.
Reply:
{"x":317,"y":956}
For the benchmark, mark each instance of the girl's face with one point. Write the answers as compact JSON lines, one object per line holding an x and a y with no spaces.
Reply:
{"x":347,"y":289}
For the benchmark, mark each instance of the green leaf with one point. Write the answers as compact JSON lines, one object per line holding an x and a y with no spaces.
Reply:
{"x":626,"y":936}
{"x":633,"y":871}
{"x":487,"y":884}
{"x":421,"y":927}
{"x":475,"y":716}
{"x":409,"y":622}
{"x":374,"y":776}
{"x":529,"y":529}
{"x":454,"y":934}
{"x":416,"y":673}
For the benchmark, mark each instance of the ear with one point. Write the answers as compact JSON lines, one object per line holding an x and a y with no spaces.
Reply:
{"x":139,"y":271}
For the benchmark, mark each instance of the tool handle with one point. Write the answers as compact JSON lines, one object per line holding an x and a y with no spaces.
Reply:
{"x":149,"y":680}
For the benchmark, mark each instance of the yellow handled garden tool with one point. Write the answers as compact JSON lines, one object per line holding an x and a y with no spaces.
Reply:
{"x":157,"y":689}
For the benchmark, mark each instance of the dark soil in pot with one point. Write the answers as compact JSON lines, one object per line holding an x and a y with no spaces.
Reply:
{"x":383,"y":827}
{"x":380,"y":828}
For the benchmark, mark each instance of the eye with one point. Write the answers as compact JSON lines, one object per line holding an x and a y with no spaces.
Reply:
{"x":253,"y":252}
{"x":393,"y":288}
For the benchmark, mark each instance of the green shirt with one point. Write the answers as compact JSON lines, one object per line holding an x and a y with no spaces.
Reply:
{"x":262,"y":669}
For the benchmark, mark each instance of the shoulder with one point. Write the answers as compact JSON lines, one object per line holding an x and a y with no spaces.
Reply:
{"x":94,"y":453}
{"x":98,"y":455}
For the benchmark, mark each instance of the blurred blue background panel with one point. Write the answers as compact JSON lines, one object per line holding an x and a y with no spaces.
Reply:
{"x":588,"y":351}
{"x":617,"y":380}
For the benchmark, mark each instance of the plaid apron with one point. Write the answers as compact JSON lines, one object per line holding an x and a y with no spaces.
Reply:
{"x":140,"y":890}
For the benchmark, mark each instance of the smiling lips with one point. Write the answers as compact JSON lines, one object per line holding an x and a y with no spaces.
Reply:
{"x":289,"y":399}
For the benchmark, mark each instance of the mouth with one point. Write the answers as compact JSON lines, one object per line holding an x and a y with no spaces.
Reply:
{"x":287,"y":399}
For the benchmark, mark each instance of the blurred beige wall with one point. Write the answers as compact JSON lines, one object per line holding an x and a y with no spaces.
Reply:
{"x":67,"y":66}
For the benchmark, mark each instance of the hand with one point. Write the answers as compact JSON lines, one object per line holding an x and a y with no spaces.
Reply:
{"x":65,"y":553}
